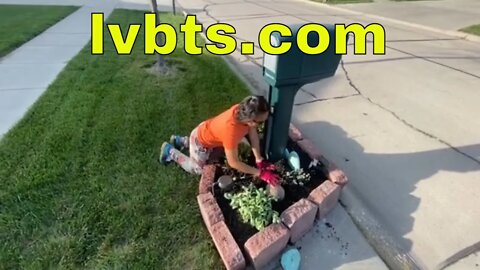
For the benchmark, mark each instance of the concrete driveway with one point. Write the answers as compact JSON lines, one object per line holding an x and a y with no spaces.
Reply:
{"x":404,"y":126}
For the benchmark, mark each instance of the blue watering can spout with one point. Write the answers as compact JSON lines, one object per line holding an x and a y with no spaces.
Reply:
{"x":293,"y":159}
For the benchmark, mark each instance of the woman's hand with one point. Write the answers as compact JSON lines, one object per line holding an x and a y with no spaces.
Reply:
{"x":269,"y":177}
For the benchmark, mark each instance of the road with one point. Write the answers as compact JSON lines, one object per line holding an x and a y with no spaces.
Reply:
{"x":404,"y":126}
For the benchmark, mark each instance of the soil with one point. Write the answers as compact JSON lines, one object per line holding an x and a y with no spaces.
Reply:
{"x":243,"y":231}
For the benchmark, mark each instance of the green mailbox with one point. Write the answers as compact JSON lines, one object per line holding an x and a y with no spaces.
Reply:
{"x":286,"y":74}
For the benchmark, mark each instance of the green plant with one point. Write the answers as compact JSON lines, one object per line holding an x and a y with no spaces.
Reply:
{"x":296,"y":177}
{"x":289,"y":177}
{"x":254,"y":206}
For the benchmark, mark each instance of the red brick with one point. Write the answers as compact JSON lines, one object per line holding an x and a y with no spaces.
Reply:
{"x":314,"y":153}
{"x":299,"y":218}
{"x":207,"y":179}
{"x":294,"y":133}
{"x":267,"y":244}
{"x":326,"y":197}
{"x":209,"y":209}
{"x":336,"y":175}
{"x":228,"y":249}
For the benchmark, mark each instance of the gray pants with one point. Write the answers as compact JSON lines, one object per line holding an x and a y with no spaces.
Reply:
{"x":199,"y":154}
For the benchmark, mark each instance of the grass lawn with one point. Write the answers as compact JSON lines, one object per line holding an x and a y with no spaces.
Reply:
{"x":19,"y":23}
{"x":474,"y":29}
{"x":81,"y":186}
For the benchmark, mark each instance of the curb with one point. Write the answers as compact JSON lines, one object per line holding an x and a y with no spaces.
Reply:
{"x":457,"y":34}
{"x":265,"y":246}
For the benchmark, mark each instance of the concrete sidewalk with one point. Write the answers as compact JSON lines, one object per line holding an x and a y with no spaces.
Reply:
{"x":336,"y":243}
{"x":27,"y":72}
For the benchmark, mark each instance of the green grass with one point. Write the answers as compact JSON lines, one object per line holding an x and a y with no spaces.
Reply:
{"x":19,"y":23}
{"x":80,"y":184}
{"x":474,"y":29}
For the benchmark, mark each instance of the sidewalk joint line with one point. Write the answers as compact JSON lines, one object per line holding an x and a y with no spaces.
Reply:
{"x":435,"y":62}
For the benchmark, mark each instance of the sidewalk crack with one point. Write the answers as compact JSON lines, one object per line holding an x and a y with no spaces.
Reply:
{"x":324,"y":99}
{"x":308,"y":93}
{"x":403,"y":120}
{"x":208,"y":14}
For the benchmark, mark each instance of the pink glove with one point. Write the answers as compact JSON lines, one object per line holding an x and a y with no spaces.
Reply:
{"x":265,"y":165}
{"x":269,"y":177}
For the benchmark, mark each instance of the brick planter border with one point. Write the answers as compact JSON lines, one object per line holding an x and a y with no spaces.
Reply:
{"x":297,"y":220}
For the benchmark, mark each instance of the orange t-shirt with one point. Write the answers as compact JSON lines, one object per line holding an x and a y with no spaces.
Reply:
{"x":222,"y":130}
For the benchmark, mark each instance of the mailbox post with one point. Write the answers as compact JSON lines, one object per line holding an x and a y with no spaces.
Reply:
{"x":286,"y":74}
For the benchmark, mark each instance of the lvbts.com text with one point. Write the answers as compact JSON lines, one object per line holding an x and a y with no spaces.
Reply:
{"x":222,"y":37}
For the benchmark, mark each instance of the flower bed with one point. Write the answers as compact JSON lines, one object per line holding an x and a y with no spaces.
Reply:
{"x":261,"y":229}
{"x":242,"y":230}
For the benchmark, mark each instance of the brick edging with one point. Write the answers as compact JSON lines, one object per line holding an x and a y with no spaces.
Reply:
{"x":314,"y":153}
{"x":207,"y":179}
{"x":214,"y":220}
{"x":296,"y":221}
{"x":327,"y":194}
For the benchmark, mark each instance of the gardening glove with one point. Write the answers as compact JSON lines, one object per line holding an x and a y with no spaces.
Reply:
{"x":269,"y":177}
{"x":265,"y":165}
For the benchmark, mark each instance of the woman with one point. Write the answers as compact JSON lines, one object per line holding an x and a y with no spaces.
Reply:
{"x":225,"y":130}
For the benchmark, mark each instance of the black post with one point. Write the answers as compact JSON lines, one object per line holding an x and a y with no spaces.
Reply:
{"x":159,"y":37}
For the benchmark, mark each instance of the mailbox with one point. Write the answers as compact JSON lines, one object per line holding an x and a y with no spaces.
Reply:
{"x":296,"y":67}
{"x":286,"y":74}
